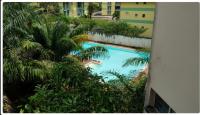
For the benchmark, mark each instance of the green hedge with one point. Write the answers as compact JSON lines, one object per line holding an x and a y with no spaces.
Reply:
{"x":110,"y":27}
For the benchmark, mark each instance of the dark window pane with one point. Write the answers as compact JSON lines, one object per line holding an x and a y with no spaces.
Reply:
{"x":161,"y":105}
{"x":79,"y":4}
{"x":172,"y":111}
{"x":117,"y":7}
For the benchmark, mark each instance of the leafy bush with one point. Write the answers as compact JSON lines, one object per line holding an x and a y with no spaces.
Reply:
{"x":109,"y":27}
{"x":37,"y":53}
{"x":118,"y":28}
{"x":84,"y":92}
{"x":116,"y":15}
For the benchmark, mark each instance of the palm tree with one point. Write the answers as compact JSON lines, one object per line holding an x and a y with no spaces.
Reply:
{"x":139,"y":60}
{"x":17,"y":19}
{"x":33,"y":47}
{"x":19,"y":50}
{"x":62,"y":39}
{"x":39,"y":43}
{"x":136,"y":61}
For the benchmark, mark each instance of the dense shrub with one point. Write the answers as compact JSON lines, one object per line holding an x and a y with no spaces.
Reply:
{"x":37,"y":53}
{"x":83,"y":92}
{"x":120,"y":28}
{"x":110,"y":27}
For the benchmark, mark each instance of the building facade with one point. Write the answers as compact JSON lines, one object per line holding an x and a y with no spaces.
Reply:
{"x":74,"y":9}
{"x":140,"y":14}
{"x":108,"y":8}
{"x":173,"y":83}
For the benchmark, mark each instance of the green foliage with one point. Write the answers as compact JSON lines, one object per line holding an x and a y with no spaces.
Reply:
{"x":15,"y":23}
{"x":136,"y":61}
{"x":50,"y":7}
{"x":116,"y":15}
{"x":92,"y":52}
{"x":120,"y":28}
{"x":106,"y":27}
{"x":85,"y":93}
{"x":37,"y":53}
{"x":92,"y":7}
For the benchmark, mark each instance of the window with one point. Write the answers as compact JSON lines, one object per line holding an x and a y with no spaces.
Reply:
{"x":66,"y":8}
{"x":66,"y":12}
{"x":171,"y":110}
{"x":143,"y":15}
{"x":117,"y":8}
{"x":79,"y":4}
{"x":109,"y":3}
{"x":80,"y":8}
{"x":157,"y":104}
{"x":117,"y":4}
{"x":109,"y":10}
{"x":161,"y":105}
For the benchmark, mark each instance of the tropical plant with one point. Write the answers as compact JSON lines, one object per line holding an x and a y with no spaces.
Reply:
{"x":39,"y":53}
{"x":135,"y":88}
{"x":136,"y":61}
{"x":92,"y":7}
{"x":17,"y":17}
{"x":121,"y":28}
{"x":85,"y":93}
{"x":62,"y":39}
{"x":116,"y":15}
{"x":50,"y":7}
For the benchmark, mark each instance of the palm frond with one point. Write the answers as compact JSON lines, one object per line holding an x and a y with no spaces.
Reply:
{"x":29,"y":45}
{"x":64,"y":46}
{"x":80,"y":38}
{"x":92,"y":52}
{"x":59,"y":30}
{"x":15,"y":70}
{"x":136,"y":61}
{"x":78,"y":31}
{"x":122,"y":79}
{"x":40,"y":34}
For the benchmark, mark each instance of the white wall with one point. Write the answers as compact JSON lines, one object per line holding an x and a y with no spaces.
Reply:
{"x":122,"y":40}
{"x":199,"y":59}
{"x":174,"y":61}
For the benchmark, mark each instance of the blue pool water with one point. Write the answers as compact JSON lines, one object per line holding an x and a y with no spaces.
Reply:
{"x":115,"y":60}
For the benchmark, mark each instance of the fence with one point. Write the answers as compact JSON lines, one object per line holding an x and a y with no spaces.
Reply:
{"x":121,"y":40}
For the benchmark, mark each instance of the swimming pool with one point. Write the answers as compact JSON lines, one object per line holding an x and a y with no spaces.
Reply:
{"x":115,"y":60}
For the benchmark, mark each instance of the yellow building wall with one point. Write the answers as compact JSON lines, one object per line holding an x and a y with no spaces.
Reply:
{"x":149,"y":28}
{"x":104,"y":8}
{"x":132,"y":13}
{"x":139,"y":5}
{"x":73,"y":8}
{"x":60,"y":4}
